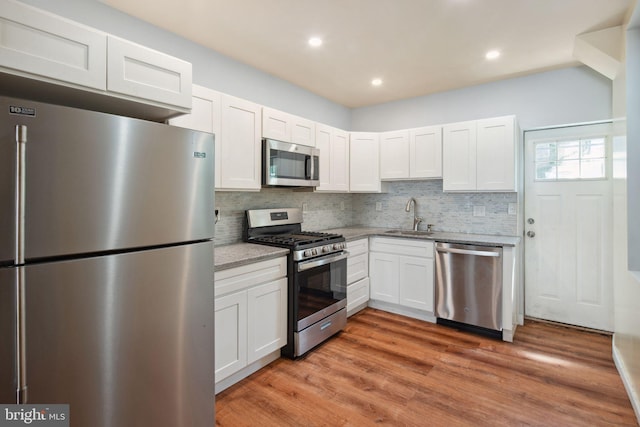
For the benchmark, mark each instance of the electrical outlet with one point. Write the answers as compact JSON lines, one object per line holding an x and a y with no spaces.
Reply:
{"x":478,"y":211}
{"x":341,"y":206}
{"x":379,"y":206}
{"x":305,"y":207}
{"x":513,"y":208}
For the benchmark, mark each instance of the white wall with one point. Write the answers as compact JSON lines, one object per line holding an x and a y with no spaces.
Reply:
{"x":210,"y":68}
{"x":568,"y":95}
{"x":626,"y":339}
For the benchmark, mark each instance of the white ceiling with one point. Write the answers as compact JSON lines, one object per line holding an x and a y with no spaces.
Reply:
{"x":417,"y":47}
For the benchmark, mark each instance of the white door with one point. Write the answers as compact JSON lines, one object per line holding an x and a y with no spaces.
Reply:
{"x":568,"y":241}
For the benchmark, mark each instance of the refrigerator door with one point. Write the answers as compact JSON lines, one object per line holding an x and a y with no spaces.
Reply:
{"x":97,"y":182}
{"x":8,"y":323}
{"x":126,"y":340}
{"x":7,"y":193}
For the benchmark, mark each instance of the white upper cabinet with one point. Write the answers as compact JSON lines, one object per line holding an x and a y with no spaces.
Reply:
{"x":411,"y":154}
{"x":47,"y":57}
{"x":480,"y":155}
{"x":425,"y":152}
{"x":37,"y":44}
{"x":205,"y":116}
{"x":394,"y":155}
{"x":334,"y":158}
{"x":364,"y":173}
{"x":287,"y":127}
{"x":459,"y":156}
{"x":496,"y":154}
{"x":240,"y":144}
{"x":145,"y":73}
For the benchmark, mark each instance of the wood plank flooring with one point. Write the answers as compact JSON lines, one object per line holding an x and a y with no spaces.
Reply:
{"x":391,"y":370}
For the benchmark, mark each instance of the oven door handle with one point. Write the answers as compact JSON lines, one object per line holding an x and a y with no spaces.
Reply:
{"x":306,"y":265}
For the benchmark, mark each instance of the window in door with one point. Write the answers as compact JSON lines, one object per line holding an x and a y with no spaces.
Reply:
{"x":573,"y":159}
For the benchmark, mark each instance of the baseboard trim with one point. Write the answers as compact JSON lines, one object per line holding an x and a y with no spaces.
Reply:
{"x":628,"y":385}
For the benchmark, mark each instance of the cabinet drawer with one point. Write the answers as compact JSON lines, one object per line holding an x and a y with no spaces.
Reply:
{"x":398,"y":246}
{"x":357,"y":267}
{"x":357,"y":247}
{"x":357,"y":294}
{"x":238,"y":278}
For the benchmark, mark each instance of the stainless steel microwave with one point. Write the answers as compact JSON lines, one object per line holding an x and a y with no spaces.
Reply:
{"x":286,"y":164}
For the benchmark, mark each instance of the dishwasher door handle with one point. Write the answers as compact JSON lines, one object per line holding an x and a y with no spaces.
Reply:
{"x":468,"y":252}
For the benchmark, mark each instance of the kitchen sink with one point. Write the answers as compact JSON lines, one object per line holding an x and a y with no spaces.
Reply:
{"x":410,"y":232}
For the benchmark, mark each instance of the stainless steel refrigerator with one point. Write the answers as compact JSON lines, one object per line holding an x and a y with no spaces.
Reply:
{"x":106,"y":266}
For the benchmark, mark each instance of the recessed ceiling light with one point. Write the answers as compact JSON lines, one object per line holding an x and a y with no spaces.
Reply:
{"x":492,"y":54}
{"x":376,"y":82}
{"x":315,"y":41}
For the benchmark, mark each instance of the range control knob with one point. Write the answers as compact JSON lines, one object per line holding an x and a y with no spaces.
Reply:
{"x":307,"y":252}
{"x":338,"y":246}
{"x":326,"y":249}
{"x":314,"y":251}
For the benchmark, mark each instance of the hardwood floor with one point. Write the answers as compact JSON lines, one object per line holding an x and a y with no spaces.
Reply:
{"x":392,"y":370}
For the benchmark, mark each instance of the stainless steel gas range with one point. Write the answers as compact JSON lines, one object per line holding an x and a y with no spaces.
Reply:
{"x":317,"y":275}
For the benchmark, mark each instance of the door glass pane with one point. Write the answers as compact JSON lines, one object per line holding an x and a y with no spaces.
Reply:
{"x":568,"y":150}
{"x":545,"y":152}
{"x":592,"y":148}
{"x":569,"y":169}
{"x":546,"y":171}
{"x":591,"y":169}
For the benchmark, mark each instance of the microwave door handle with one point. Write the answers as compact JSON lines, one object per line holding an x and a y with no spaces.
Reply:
{"x":308,"y":167}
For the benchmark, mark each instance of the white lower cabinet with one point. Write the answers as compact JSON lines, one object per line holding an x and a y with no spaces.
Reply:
{"x":357,"y":275}
{"x":250,"y":319}
{"x":267,"y":319}
{"x":231,"y":334}
{"x":401,"y":273}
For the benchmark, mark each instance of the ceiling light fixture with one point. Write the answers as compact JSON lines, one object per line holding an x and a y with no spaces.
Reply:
{"x":376,"y":82}
{"x":492,"y":54}
{"x":315,"y":41}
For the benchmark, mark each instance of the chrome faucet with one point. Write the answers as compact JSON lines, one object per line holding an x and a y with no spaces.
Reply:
{"x":416,"y":220}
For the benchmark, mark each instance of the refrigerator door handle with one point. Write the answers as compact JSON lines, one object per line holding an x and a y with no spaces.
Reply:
{"x":21,"y":141}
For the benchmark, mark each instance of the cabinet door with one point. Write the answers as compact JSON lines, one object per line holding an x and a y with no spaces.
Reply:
{"x":340,"y":160}
{"x":267,"y":324}
{"x":364,"y":173}
{"x":230,"y":334}
{"x":276,"y":124}
{"x":323,"y":143}
{"x":394,"y":155}
{"x":496,"y":157}
{"x":147,"y":74}
{"x":205,"y":116}
{"x":416,"y":282}
{"x":459,"y":156}
{"x":383,"y":274}
{"x":240,"y":143}
{"x":303,"y":131}
{"x":47,"y":47}
{"x":425,"y":152}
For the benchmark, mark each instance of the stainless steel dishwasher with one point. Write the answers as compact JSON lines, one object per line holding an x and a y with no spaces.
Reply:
{"x":468,"y":290}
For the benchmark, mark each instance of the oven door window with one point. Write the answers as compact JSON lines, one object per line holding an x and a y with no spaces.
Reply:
{"x":319,"y":289}
{"x":286,"y":164}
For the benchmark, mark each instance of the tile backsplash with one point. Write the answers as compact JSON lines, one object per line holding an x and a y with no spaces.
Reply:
{"x":451,"y":212}
{"x":321,"y":211}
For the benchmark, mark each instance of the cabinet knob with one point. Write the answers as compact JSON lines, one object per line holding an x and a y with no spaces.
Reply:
{"x":531,"y":233}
